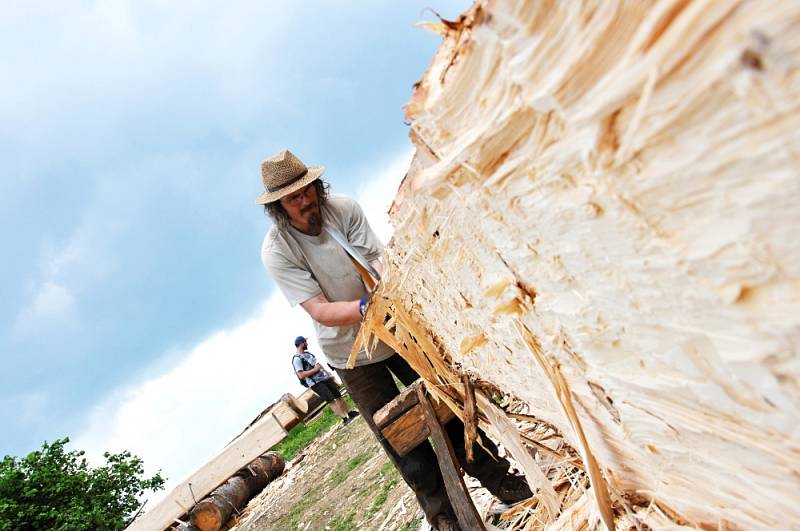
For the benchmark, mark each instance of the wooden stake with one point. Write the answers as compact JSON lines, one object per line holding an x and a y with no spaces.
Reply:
{"x":470,"y":417}
{"x":467,"y":515}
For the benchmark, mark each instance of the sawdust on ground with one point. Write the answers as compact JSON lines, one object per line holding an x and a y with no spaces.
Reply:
{"x":343,"y":481}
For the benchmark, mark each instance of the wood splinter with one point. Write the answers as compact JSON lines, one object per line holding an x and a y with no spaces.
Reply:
{"x":470,"y":417}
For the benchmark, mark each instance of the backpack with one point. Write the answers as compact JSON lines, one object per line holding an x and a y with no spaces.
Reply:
{"x":306,"y":367}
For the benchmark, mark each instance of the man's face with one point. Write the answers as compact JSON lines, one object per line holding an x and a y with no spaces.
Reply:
{"x":302,"y":208}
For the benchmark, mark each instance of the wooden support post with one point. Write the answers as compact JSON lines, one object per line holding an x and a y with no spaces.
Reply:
{"x":402,"y":422}
{"x":467,"y":515}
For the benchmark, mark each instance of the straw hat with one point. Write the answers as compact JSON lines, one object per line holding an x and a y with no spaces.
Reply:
{"x":283,"y":174}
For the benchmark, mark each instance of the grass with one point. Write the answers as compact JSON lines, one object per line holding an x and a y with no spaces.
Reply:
{"x":341,"y":473}
{"x":304,"y":433}
{"x":342,"y":524}
{"x":391,"y":476}
{"x":412,"y":525}
{"x":291,"y":520}
{"x":378,"y":488}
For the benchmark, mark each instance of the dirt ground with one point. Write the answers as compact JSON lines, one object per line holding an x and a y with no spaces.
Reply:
{"x":343,"y":481}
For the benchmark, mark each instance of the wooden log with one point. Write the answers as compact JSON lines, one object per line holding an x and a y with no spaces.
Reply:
{"x":261,"y":436}
{"x":468,"y":517}
{"x":409,"y":429}
{"x":211,"y":513}
{"x":263,"y":470}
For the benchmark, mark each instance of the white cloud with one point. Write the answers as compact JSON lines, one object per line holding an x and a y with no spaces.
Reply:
{"x":52,"y":303}
{"x":66,"y":269}
{"x":87,"y":77}
{"x":181,"y":416}
{"x":179,"y":419}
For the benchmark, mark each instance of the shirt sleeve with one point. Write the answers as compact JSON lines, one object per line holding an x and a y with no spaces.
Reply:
{"x":361,"y":236}
{"x":296,"y":284}
{"x":297,"y":363}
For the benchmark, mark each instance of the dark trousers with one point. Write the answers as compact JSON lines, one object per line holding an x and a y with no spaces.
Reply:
{"x":371,"y":387}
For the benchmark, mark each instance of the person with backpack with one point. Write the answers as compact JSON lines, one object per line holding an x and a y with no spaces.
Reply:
{"x":312,"y":375}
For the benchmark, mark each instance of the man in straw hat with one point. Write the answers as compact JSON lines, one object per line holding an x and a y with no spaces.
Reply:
{"x":310,"y":251}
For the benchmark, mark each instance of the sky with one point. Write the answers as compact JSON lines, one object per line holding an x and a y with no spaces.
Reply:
{"x":135,"y":312}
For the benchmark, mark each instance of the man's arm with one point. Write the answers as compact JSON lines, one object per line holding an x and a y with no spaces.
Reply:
{"x":339,"y":313}
{"x":328,"y":313}
{"x":310,"y":372}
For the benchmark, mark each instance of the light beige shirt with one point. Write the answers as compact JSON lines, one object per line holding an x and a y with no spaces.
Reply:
{"x":304,"y":266}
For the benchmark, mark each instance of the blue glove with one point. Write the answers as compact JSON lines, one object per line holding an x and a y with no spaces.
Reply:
{"x":362,"y":305}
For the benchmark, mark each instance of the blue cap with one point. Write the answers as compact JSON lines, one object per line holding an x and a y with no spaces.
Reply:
{"x":298,"y":340}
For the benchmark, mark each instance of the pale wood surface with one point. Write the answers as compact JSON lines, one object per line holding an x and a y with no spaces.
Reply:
{"x":286,"y":415}
{"x":621,"y":179}
{"x":312,"y":400}
{"x":299,"y":406}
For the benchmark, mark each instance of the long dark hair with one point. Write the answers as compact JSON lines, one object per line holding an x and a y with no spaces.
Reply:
{"x":279,"y":216}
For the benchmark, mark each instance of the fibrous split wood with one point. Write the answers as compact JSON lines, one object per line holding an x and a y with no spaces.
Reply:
{"x":600,"y":227}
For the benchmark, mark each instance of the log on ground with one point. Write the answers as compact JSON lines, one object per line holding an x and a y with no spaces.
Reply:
{"x":211,"y":513}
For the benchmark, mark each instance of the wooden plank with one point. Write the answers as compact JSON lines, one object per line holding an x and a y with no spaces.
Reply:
{"x":259,"y":438}
{"x":314,"y":404}
{"x":312,"y":400}
{"x":300,"y":407}
{"x":409,"y":430}
{"x":396,"y":408}
{"x":286,"y":415}
{"x":467,"y":515}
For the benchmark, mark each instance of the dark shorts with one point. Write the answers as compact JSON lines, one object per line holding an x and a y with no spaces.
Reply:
{"x":327,"y":390}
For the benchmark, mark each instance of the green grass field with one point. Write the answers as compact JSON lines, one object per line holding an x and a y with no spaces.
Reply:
{"x":304,"y":433}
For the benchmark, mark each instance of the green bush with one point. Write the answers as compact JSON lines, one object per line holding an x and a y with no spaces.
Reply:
{"x":56,"y":489}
